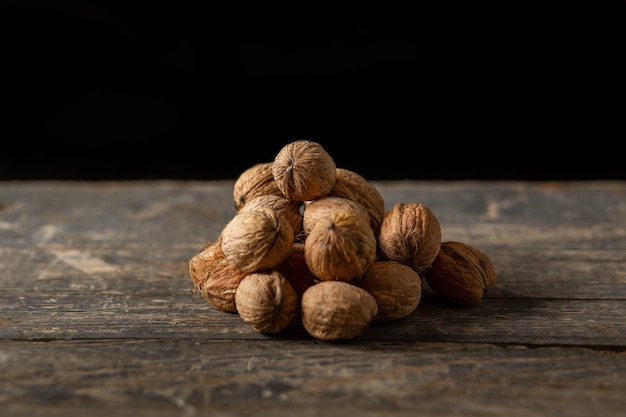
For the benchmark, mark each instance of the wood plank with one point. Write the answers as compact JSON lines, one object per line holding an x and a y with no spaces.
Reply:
{"x":98,"y":316}
{"x":236,"y":377}
{"x":591,"y":323}
{"x":130,"y":267}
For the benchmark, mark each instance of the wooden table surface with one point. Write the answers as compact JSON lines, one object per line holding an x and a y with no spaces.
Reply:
{"x":98,"y":315}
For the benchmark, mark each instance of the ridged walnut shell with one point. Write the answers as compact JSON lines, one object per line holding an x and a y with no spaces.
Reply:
{"x":303,"y":170}
{"x":324,"y":207}
{"x":296,"y":271}
{"x":266,"y":301}
{"x":283,"y":207}
{"x":397,"y":289}
{"x":337,"y":310}
{"x":340,"y":247}
{"x":461,"y":274}
{"x":257,"y":239}
{"x":255,"y":181}
{"x":410,"y":234}
{"x":355,"y":187}
{"x":215,"y":277}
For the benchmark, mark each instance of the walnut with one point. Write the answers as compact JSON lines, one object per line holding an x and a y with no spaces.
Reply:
{"x":198,"y":263}
{"x":396,"y":287}
{"x":410,"y":234}
{"x":461,"y":274}
{"x":323,"y":207}
{"x":215,"y":277}
{"x":296,"y":271}
{"x":336,"y":310}
{"x":254,"y":181}
{"x":304,"y":170}
{"x":340,"y":247}
{"x":257,"y":239}
{"x":266,"y":301}
{"x":283,"y":207}
{"x":355,"y":187}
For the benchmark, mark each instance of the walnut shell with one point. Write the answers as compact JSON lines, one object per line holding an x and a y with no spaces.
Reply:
{"x":303,"y":170}
{"x":215,"y":277}
{"x":355,"y":187}
{"x":336,"y":310}
{"x":198,"y":263}
{"x":340,"y":247}
{"x":257,"y":239}
{"x":254,"y":181}
{"x":461,"y":274}
{"x":397,"y":289}
{"x":323,"y":207}
{"x":266,"y":301}
{"x":410,"y":233}
{"x":296,"y":271}
{"x":283,"y":207}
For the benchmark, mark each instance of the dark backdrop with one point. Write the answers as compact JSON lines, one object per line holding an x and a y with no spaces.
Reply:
{"x":203,"y":90}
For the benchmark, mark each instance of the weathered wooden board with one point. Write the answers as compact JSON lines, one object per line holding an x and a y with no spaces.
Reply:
{"x":591,"y":323}
{"x":233,"y":377}
{"x":98,"y":316}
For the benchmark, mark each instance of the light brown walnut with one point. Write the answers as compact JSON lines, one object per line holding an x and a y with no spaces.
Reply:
{"x":355,"y":187}
{"x":303,"y":170}
{"x":337,"y":310}
{"x":461,"y":274}
{"x":410,"y":234}
{"x":324,"y":207}
{"x":266,"y":301}
{"x":257,"y":239}
{"x":255,"y":181}
{"x":340,"y":247}
{"x":396,"y":287}
{"x":215,"y":277}
{"x":288,"y":209}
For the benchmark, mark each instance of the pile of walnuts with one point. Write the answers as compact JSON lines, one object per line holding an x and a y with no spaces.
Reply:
{"x":312,"y":243}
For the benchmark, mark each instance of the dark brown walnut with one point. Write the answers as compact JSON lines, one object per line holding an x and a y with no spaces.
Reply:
{"x":337,"y":310}
{"x":355,"y":187}
{"x":410,"y":234}
{"x":340,"y":247}
{"x":257,"y":239}
{"x":255,"y":181}
{"x":296,"y":271}
{"x":303,"y":170}
{"x":397,"y":289}
{"x":266,"y":301}
{"x":215,"y":277}
{"x":289,"y":210}
{"x":461,"y":274}
{"x":324,"y":207}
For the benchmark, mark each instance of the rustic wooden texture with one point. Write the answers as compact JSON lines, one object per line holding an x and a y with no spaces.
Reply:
{"x":98,"y":315}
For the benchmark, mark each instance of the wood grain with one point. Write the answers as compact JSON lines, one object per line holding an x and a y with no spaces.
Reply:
{"x":98,"y":313}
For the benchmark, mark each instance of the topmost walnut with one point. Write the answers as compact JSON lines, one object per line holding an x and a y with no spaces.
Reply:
{"x":304,"y":170}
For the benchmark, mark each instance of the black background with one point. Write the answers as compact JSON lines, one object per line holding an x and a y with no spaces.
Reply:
{"x":203,"y":90}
